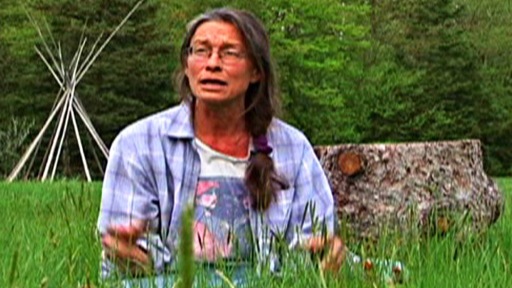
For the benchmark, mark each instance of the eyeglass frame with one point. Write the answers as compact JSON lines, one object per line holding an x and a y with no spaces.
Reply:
{"x":222,"y":53}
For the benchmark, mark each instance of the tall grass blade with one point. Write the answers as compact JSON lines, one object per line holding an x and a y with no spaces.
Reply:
{"x":186,"y":265}
{"x":14,"y":265}
{"x":225,"y":279}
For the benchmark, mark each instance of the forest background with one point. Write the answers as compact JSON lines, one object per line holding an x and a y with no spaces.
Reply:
{"x":355,"y":71}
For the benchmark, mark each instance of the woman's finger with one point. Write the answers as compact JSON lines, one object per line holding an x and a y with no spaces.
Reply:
{"x":316,"y":244}
{"x":130,"y":232}
{"x":335,"y":256}
{"x":118,"y":248}
{"x":335,"y":249}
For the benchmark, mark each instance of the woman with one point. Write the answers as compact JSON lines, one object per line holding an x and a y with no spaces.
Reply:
{"x":250,"y":175}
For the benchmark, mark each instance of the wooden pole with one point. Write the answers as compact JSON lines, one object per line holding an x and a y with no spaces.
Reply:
{"x":27,"y":153}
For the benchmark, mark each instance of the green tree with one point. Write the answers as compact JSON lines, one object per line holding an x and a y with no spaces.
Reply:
{"x":20,"y":68}
{"x":5,"y":66}
{"x":318,"y":47}
{"x":487,"y":24}
{"x":445,"y":98}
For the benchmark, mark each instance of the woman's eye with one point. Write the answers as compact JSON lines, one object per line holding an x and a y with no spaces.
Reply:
{"x":231,"y":53}
{"x":201,"y":51}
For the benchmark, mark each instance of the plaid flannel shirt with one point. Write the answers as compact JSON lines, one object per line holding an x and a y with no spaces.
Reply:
{"x":153,"y":170}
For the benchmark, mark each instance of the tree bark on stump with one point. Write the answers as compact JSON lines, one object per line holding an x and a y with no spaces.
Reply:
{"x":436,"y":185}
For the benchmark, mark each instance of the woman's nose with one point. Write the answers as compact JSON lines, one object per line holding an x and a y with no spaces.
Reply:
{"x":214,"y":61}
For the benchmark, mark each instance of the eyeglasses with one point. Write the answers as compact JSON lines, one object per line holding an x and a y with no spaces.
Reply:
{"x":227,"y":56}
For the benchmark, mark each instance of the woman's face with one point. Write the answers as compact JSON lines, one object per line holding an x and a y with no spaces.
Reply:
{"x":218,"y":67}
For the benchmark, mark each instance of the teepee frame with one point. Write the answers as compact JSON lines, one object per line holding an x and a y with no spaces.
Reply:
{"x":67,"y":103}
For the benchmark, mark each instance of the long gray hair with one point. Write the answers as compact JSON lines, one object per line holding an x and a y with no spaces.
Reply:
{"x":262,"y":100}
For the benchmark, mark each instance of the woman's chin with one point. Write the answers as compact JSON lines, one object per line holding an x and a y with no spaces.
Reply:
{"x":216,"y":100}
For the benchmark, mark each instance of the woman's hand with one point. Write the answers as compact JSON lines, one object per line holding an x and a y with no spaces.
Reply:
{"x":120,"y":247}
{"x":334,"y":248}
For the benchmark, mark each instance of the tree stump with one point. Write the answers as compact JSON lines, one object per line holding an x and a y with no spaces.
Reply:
{"x":436,"y":185}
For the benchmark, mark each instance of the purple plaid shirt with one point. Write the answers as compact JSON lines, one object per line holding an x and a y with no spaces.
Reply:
{"x":152,"y":174}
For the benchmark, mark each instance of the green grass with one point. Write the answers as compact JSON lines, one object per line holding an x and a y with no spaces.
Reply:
{"x":48,"y":239}
{"x":47,"y":234}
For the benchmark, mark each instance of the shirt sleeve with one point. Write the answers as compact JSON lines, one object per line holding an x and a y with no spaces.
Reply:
{"x":313,"y":204}
{"x":128,"y":193}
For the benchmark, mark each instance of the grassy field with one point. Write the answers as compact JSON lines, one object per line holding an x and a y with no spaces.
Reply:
{"x":47,"y":235}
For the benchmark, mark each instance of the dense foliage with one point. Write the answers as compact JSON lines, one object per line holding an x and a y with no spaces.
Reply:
{"x":350,"y":71}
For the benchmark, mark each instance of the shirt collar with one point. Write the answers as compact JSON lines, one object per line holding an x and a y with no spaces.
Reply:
{"x":181,"y":126}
